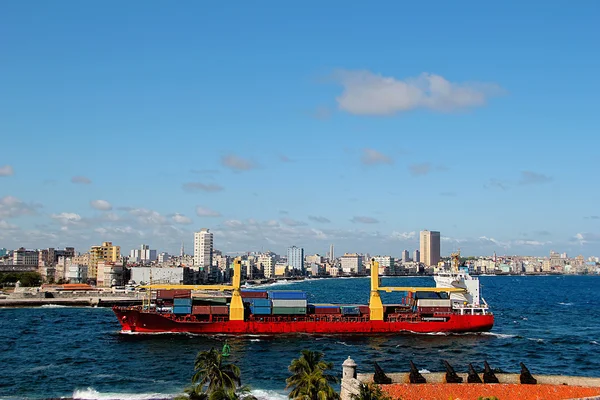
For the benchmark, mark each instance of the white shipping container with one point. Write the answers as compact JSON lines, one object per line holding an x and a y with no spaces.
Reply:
{"x":434,"y":303}
{"x":289,"y":303}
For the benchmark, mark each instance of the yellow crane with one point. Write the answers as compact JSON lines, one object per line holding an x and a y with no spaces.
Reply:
{"x":375,"y":304}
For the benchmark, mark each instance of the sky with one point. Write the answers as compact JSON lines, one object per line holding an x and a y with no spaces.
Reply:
{"x":301,"y":123}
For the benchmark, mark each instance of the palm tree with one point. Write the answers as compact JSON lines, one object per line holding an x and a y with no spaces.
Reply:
{"x":310,"y":380}
{"x":210,"y":370}
{"x":370,"y":391}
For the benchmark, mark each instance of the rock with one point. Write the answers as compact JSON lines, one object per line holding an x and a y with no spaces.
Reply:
{"x":526,"y":377}
{"x":451,"y":376}
{"x":473,"y":377}
{"x":488,"y":374}
{"x":415,"y":376}
{"x":380,"y":377}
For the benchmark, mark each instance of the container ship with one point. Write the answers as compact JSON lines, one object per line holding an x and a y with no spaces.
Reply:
{"x":445,"y":308}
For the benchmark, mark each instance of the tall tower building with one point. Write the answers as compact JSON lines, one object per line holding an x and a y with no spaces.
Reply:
{"x":295,"y":258}
{"x":405,"y":256}
{"x":416,"y":256}
{"x":430,"y":247}
{"x":203,"y":248}
{"x":331,"y":253}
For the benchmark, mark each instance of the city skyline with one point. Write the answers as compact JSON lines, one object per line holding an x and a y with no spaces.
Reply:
{"x":285,"y":136}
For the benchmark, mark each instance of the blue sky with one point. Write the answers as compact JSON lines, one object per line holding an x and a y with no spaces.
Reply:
{"x":278,"y":124}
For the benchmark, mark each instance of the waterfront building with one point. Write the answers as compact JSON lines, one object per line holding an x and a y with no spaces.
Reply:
{"x":386,"y":265}
{"x":281,"y":269}
{"x":144,"y":254}
{"x":109,"y":274}
{"x":405,"y":256}
{"x":315,"y":259}
{"x":163,"y":257}
{"x":416,"y":256}
{"x":430,"y":248}
{"x":77,"y":273}
{"x":203,"y":248}
{"x":266,"y":263}
{"x":25,"y":257}
{"x":161,"y":275}
{"x":105,"y":252}
{"x":352,"y":263}
{"x":3,"y":252}
{"x":295,"y":258}
{"x":331,"y":254}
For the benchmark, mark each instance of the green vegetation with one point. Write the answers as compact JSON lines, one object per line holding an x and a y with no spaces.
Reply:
{"x":215,"y":380}
{"x":27,"y":279}
{"x":310,"y":379}
{"x":370,"y":391}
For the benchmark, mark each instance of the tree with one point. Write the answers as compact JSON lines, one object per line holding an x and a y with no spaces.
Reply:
{"x":370,"y":391}
{"x":310,"y":379}
{"x":215,"y":380}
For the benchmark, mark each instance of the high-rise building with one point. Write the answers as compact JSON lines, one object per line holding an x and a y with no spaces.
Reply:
{"x":267,"y":262}
{"x":386,"y":265}
{"x":405,"y":256}
{"x":295,"y":258}
{"x":203,"y":248}
{"x":106,"y":252}
{"x":331,"y":253}
{"x":430,"y":247}
{"x":143,"y":254}
{"x":416,"y":256}
{"x":352,"y":264}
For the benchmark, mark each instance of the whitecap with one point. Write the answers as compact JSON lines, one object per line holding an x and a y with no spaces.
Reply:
{"x":424,"y":371}
{"x":499,"y":335}
{"x":93,"y":394}
{"x":565,"y":304}
{"x":262,"y":394}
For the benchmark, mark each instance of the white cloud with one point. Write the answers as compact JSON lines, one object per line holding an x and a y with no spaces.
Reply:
{"x":207,"y":212}
{"x":373,"y":157}
{"x":181,"y":219}
{"x":81,"y":180}
{"x":66,"y":218}
{"x":237,"y":163}
{"x":7,"y":170}
{"x":6,"y":226}
{"x":292,"y":222}
{"x":533,"y":178}
{"x":199,"y":186}
{"x":11,"y":207}
{"x":404,"y":235}
{"x":420,"y":169}
{"x":101,"y":205}
{"x":366,"y":93}
{"x":148,"y":217}
{"x":320,"y":219}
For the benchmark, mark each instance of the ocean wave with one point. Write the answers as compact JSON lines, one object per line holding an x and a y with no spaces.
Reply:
{"x":565,"y":304}
{"x":424,"y":371}
{"x":594,"y":342}
{"x":93,"y":394}
{"x":278,"y":283}
{"x":499,"y":335}
{"x":53,"y":306}
{"x":261,"y":394}
{"x":42,"y":368}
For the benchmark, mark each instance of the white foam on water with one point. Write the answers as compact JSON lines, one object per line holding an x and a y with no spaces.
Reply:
{"x":424,"y":371}
{"x":344,"y":343}
{"x":53,"y":306}
{"x":93,"y":394}
{"x":42,"y":368}
{"x":536,"y":340}
{"x":565,"y":304}
{"x":278,"y":283}
{"x":594,"y":342}
{"x":498,"y":335}
{"x":255,"y":340}
{"x":261,"y":394}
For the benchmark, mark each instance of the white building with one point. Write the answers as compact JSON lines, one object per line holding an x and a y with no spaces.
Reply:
{"x":267,"y":262}
{"x":416,"y":256}
{"x":163,"y":257}
{"x":25,"y":257}
{"x":77,"y":273}
{"x":143,"y":254}
{"x":352,"y":264}
{"x":386,"y":265}
{"x":203,"y":248}
{"x":430,"y":248}
{"x":173,"y":276}
{"x":295,"y":258}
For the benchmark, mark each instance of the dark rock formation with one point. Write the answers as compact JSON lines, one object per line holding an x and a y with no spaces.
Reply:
{"x":473,"y":377}
{"x":451,"y":376}
{"x":488,"y":374}
{"x":526,"y":377}
{"x":415,"y":376}
{"x":380,"y":377}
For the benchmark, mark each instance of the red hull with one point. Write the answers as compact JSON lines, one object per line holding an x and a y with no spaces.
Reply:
{"x":134,"y":320}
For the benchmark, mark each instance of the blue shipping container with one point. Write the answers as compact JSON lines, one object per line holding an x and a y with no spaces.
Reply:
{"x":260,"y":302}
{"x":260,"y":310}
{"x":182,"y":302}
{"x":287,"y":295}
{"x":347,"y":310}
{"x":182,"y":310}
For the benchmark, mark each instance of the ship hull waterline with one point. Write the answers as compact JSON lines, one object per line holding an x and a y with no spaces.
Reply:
{"x":136,"y":321}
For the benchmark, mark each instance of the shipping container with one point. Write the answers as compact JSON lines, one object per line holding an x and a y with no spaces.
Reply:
{"x":289,"y":310}
{"x":434,"y":303}
{"x":350,"y":310}
{"x":430,"y":310}
{"x":288,"y":303}
{"x":182,"y":301}
{"x":204,"y":310}
{"x":165,"y":294}
{"x":364,"y":309}
{"x":182,"y":310}
{"x":260,"y":310}
{"x":327,"y":310}
{"x":254,"y":294}
{"x":259,"y":302}
{"x":287,"y":295}
{"x":219,"y":310}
